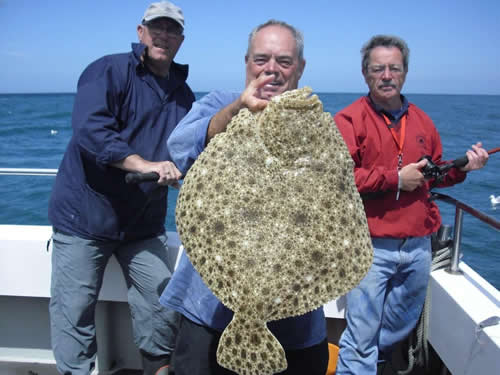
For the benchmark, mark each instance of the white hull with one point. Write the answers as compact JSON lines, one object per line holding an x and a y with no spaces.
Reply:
{"x":459,"y":304}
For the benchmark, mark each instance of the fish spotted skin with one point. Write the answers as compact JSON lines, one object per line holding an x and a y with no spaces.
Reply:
{"x":271,"y":218}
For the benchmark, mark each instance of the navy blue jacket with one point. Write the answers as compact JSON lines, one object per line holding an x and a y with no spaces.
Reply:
{"x":119,"y":110}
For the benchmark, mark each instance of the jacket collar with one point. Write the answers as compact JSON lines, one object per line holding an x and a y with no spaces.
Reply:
{"x":394,"y":116}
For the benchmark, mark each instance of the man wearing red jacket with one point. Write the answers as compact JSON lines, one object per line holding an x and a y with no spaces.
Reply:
{"x":387,"y":136}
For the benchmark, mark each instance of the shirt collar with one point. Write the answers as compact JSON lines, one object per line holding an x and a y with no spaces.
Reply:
{"x":394,"y":116}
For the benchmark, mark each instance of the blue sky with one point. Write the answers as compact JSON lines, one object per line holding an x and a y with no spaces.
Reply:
{"x":455,"y":45}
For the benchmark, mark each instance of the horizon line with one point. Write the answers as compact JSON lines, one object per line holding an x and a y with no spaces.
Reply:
{"x":205,"y":92}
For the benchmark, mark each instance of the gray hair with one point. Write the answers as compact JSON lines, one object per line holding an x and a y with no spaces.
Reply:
{"x":297,"y":35}
{"x":384,"y":41}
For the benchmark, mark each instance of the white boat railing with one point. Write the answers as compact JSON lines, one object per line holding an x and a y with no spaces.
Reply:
{"x":460,"y":208}
{"x":28,"y":172}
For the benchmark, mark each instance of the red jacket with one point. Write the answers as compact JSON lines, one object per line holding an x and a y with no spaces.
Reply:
{"x":375,"y":154}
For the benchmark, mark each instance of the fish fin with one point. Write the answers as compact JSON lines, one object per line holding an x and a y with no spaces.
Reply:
{"x":249,"y":348}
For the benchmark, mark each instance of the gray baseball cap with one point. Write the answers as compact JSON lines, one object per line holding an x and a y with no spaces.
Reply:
{"x":164,"y":9}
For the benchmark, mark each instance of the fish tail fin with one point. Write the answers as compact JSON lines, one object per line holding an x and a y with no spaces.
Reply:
{"x":249,"y":348}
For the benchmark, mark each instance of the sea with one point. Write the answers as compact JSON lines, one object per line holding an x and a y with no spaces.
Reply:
{"x":35,"y":129}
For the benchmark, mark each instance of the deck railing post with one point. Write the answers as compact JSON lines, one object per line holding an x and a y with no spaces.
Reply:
{"x":457,"y":238}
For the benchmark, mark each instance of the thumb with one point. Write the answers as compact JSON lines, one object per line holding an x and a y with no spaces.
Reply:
{"x":422,"y":163}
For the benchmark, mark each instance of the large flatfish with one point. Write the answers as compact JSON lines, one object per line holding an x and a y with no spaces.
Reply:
{"x":270,"y":217}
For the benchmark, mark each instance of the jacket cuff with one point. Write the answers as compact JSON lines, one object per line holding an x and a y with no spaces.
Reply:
{"x":393,"y":180}
{"x":457,"y":175}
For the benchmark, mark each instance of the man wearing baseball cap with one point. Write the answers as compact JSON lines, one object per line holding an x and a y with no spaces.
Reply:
{"x":125,"y":108}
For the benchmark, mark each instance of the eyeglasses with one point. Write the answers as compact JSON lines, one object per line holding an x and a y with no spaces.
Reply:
{"x":157,"y":28}
{"x":395,"y":69}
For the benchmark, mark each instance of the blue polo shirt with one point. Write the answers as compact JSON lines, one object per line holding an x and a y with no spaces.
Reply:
{"x":186,"y":292}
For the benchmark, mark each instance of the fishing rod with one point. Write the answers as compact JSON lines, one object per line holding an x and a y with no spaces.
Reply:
{"x":432,"y":170}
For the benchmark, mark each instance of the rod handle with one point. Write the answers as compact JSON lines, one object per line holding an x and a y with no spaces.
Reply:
{"x":136,"y":177}
{"x":460,"y":162}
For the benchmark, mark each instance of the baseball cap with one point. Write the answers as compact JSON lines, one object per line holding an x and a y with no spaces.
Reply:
{"x":164,"y":9}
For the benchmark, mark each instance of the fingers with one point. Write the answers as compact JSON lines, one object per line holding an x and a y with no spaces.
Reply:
{"x":172,"y":174}
{"x":168,"y":172}
{"x":411,"y":176}
{"x":251,"y":98}
{"x":255,"y":104}
{"x":261,"y":81}
{"x":478,"y":157}
{"x":480,"y":151}
{"x":171,"y":171}
{"x":422,"y":163}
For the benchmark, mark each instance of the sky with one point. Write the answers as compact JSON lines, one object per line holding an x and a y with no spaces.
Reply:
{"x":454,"y":44}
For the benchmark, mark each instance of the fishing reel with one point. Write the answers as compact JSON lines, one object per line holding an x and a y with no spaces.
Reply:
{"x":431,"y":169}
{"x":437,"y":172}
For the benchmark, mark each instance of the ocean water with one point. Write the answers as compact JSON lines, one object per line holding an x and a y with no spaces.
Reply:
{"x":35,"y":128}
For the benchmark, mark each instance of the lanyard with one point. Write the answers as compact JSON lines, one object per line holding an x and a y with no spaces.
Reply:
{"x":400,"y":141}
